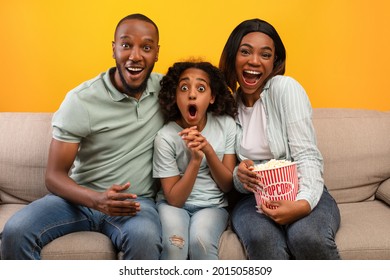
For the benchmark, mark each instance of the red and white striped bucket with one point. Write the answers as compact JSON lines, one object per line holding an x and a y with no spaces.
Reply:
{"x":278,"y":183}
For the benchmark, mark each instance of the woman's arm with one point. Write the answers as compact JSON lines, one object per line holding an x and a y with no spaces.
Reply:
{"x":302,"y":143}
{"x":290,"y":102}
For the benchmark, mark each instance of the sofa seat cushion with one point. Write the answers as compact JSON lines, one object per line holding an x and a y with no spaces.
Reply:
{"x":364,"y":231}
{"x":383,"y":192}
{"x":80,"y":246}
{"x":230,"y":247}
{"x":6,"y":211}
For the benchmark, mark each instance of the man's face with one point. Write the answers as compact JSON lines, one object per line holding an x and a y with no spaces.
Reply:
{"x":135,"y":51}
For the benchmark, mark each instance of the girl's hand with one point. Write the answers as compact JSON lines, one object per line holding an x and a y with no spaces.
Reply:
{"x":246,"y":175}
{"x":195,"y":141}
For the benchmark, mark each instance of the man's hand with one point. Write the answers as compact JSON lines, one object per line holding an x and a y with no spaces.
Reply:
{"x":115,"y":202}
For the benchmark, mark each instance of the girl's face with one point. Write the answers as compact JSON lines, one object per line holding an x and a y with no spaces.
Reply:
{"x":254,"y":62}
{"x":193,"y":96}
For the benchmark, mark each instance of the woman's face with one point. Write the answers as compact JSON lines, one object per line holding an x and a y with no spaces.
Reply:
{"x":254,"y":62}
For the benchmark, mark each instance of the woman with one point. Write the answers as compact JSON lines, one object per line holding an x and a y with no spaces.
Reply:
{"x":274,"y":122}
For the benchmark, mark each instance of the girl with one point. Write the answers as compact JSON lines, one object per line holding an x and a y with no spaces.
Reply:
{"x":194,"y":158}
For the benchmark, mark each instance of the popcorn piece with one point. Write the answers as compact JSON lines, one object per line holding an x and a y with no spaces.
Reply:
{"x":273,"y":163}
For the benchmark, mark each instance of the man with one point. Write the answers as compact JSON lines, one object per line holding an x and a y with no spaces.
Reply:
{"x":103,"y":132}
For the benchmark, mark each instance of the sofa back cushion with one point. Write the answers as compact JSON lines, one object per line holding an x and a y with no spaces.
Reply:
{"x":356,"y":149}
{"x":354,"y":144}
{"x":24,"y":145}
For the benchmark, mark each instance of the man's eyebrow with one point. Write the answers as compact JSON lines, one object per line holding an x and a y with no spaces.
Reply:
{"x":128,"y":37}
{"x":149,"y":40}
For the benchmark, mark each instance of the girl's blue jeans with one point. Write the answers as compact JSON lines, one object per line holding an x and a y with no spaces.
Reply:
{"x":191,"y":232}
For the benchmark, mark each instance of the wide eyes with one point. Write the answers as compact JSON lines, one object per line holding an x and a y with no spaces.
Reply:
{"x":184,"y":88}
{"x":200,"y":88}
{"x":126,"y":46}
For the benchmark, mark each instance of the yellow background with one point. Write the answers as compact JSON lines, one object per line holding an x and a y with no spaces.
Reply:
{"x":339,"y":50}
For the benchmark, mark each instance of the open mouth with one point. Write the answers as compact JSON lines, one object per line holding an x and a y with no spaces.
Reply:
{"x":134,"y":70}
{"x":192,"y":110}
{"x":251,"y":77}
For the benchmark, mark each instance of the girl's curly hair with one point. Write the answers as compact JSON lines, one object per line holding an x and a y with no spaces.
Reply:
{"x":224,"y":101}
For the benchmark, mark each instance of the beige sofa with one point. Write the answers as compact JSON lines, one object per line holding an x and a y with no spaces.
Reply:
{"x":356,"y":149}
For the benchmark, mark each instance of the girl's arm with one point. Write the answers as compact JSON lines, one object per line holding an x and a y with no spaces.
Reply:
{"x":221,"y":171}
{"x":177,"y":189}
{"x":177,"y":186}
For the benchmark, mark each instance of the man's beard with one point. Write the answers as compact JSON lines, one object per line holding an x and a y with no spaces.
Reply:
{"x":133,"y":91}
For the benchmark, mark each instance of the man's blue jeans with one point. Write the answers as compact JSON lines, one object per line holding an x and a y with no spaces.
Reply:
{"x":34,"y":226}
{"x":191,"y":231}
{"x":312,"y":237}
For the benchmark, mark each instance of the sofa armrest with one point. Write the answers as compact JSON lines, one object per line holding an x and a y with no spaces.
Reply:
{"x":383,"y":192}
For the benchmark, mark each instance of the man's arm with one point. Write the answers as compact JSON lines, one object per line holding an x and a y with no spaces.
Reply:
{"x":112,"y":202}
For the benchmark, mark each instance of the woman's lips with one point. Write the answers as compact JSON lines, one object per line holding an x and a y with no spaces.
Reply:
{"x":251,"y":77}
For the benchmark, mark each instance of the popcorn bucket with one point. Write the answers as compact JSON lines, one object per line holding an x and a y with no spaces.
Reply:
{"x":277,"y":183}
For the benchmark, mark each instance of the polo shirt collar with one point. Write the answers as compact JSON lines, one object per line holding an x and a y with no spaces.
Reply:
{"x":116,"y":95}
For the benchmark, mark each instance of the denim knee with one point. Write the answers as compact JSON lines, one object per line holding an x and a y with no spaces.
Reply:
{"x":313,"y":246}
{"x":16,"y":237}
{"x":142,"y":238}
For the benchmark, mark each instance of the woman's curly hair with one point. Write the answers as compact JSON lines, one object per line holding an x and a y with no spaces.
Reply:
{"x":224,"y":102}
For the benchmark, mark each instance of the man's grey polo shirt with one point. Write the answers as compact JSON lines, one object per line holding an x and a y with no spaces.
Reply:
{"x":115,"y":132}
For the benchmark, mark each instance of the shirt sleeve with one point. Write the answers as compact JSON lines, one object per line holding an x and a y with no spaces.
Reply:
{"x":302,"y":142}
{"x":230,"y":136}
{"x":71,"y":122}
{"x":164,"y":162}
{"x":237,"y":183}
